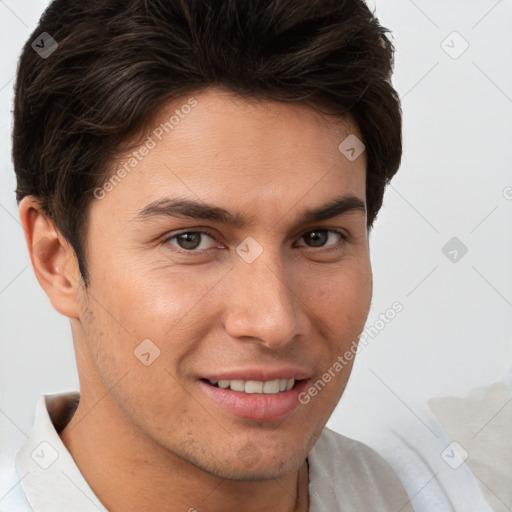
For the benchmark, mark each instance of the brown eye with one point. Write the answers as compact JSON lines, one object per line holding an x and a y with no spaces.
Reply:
{"x":316,"y":238}
{"x":320,"y":237}
{"x":190,"y":241}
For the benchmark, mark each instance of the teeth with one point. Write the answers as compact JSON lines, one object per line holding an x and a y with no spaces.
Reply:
{"x":237,"y":385}
{"x":270,"y":387}
{"x":254,"y":386}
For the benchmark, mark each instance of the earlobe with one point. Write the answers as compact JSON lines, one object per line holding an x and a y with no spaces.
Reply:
{"x":53,"y":259}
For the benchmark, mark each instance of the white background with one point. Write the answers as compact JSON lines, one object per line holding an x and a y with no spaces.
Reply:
{"x":455,"y":331}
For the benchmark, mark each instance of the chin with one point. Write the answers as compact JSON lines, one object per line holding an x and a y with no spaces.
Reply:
{"x":260,"y":473}
{"x":248,"y":465}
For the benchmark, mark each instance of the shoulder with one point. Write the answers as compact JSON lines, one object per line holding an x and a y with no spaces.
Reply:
{"x":335,"y":451}
{"x":348,"y":471}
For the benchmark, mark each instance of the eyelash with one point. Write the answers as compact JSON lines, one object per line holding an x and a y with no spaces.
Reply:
{"x":344,"y":239}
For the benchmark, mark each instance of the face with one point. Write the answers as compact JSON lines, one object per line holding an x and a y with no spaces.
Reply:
{"x":221,"y":288}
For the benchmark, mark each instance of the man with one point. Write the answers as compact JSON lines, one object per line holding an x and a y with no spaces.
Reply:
{"x":197,"y":181}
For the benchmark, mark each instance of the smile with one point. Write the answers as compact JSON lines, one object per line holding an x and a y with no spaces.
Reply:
{"x":255,"y":399}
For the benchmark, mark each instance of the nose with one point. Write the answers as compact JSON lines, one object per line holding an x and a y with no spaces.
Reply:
{"x":263,"y":305}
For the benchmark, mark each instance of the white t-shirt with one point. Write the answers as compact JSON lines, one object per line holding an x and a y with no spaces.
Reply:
{"x":344,"y":475}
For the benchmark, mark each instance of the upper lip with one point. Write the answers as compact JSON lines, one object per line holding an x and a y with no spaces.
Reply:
{"x":259,"y":374}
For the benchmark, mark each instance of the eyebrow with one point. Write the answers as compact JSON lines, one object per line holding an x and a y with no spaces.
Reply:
{"x":181,"y":207}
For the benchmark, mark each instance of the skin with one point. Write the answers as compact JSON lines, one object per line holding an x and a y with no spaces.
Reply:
{"x":148,"y":437}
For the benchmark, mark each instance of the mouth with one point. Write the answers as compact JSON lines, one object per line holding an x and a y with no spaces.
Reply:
{"x":261,"y":400}
{"x":269,"y":387}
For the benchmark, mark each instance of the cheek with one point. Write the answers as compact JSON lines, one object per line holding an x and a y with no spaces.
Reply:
{"x":339,"y":309}
{"x":175,"y":308}
{"x":141,"y":304}
{"x":121,"y":365}
{"x":170,"y":307}
{"x":341,"y":300}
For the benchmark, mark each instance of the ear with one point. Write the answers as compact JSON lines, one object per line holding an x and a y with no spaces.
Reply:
{"x":53,"y":259}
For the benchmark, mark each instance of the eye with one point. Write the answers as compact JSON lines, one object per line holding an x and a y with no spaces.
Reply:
{"x":195,"y":242}
{"x":190,"y":241}
{"x":320,"y":237}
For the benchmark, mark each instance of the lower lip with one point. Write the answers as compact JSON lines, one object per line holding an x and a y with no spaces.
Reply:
{"x":256,"y":406}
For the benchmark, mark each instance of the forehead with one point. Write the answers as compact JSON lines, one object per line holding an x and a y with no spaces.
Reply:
{"x":221,"y":121}
{"x":218,"y":147}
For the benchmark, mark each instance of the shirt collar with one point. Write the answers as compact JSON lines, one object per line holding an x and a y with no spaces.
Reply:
{"x":50,"y":477}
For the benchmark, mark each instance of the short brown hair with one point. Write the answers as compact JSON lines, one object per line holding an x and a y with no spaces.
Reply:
{"x":119,"y":61}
